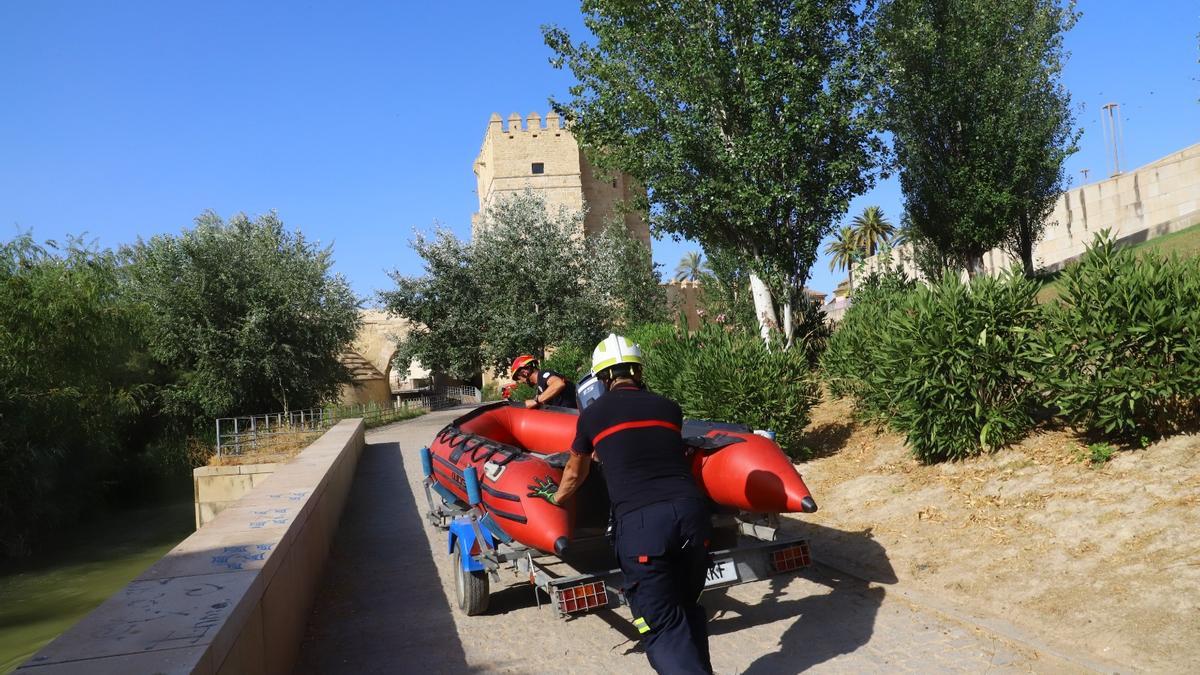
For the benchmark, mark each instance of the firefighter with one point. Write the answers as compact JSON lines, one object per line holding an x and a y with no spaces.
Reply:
{"x":662,"y":519}
{"x":552,"y":388}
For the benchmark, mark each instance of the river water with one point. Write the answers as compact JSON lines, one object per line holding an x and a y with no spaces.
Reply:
{"x":40,"y":597}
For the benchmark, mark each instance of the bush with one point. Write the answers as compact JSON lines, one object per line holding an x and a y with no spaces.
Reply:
{"x":961,"y":358}
{"x":852,"y":364}
{"x":726,"y":375}
{"x":1122,"y":347}
{"x":950,"y":365}
{"x":571,"y":360}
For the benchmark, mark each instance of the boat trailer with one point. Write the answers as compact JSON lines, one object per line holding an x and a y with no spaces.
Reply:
{"x":482,"y":550}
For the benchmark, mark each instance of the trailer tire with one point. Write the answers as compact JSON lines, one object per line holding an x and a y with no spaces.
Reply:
{"x":470,"y":588}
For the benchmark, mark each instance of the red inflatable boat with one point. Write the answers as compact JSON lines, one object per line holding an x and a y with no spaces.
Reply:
{"x":510,"y":446}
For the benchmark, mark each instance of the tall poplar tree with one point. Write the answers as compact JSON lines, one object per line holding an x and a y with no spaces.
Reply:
{"x":981,"y":122}
{"x":747,"y":120}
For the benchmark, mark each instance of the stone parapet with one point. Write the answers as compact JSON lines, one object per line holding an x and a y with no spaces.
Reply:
{"x":234,"y":597}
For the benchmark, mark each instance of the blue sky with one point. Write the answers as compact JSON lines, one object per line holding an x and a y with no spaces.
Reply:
{"x":358,"y":122}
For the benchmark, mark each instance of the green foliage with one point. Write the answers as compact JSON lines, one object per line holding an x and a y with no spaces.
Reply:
{"x":949,"y":365}
{"x":247,"y":313}
{"x":522,"y":392}
{"x":1121,"y":351}
{"x":981,"y":122}
{"x":962,"y":358}
{"x":748,"y":121}
{"x":727,"y":375}
{"x":573,"y":361}
{"x":872,"y":229}
{"x":72,"y":388}
{"x":726,"y":292}
{"x":852,"y":363}
{"x":691,"y":267}
{"x":1100,"y":453}
{"x":622,"y":272}
{"x":526,"y":284}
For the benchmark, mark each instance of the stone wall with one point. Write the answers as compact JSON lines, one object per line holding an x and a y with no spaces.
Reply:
{"x":235,"y":596}
{"x":684,"y":296}
{"x":1153,"y":200}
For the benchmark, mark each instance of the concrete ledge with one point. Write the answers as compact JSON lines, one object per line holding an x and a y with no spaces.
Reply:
{"x":234,"y":597}
{"x":216,"y":488}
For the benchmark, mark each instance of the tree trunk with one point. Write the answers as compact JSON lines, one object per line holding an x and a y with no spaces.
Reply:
{"x":764,"y":308}
{"x":788,"y":329}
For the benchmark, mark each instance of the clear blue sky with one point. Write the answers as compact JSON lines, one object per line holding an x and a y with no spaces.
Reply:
{"x":358,"y":122}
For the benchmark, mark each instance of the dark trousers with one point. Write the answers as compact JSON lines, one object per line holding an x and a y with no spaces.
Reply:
{"x":662,"y":550}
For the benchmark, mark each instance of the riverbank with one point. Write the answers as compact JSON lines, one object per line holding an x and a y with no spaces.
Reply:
{"x":42,"y":596}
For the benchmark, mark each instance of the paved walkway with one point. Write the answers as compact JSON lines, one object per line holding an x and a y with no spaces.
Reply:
{"x":387,"y":606}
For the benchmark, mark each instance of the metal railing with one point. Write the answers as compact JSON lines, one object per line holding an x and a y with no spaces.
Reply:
{"x":254,"y":433}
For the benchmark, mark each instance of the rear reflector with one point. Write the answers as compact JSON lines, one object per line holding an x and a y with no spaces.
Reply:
{"x":582,"y":598}
{"x":791,"y":557}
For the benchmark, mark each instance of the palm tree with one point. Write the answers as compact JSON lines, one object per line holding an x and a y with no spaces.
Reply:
{"x":691,"y":267}
{"x":845,"y":251}
{"x":872,"y":229}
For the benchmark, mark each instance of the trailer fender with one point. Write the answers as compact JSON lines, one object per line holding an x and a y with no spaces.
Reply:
{"x":461,"y":530}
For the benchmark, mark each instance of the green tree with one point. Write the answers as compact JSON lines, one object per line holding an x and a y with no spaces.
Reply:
{"x":872,"y":229}
{"x":524,"y":284}
{"x":692,"y":266}
{"x":70,"y":388}
{"x":624,"y":275}
{"x":746,"y":120}
{"x":249,"y":314}
{"x":980,"y":121}
{"x":844,"y":251}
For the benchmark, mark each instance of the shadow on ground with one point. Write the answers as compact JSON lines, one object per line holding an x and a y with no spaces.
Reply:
{"x":827,"y":439}
{"x":381,"y":607}
{"x":822,"y":626}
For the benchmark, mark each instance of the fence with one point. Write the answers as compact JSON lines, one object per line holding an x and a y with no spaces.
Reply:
{"x":252,"y":433}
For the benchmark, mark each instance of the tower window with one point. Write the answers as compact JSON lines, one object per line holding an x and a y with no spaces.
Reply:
{"x":539,"y":167}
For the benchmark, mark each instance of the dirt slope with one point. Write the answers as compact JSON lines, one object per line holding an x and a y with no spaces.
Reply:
{"x":1102,"y":561}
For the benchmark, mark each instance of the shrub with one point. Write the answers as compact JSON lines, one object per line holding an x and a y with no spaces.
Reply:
{"x":727,"y":375}
{"x":853,"y":364}
{"x":960,"y":358}
{"x":1121,"y":351}
{"x":571,"y":360}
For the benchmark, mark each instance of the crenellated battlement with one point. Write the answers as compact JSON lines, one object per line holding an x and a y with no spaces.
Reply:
{"x":532,"y":123}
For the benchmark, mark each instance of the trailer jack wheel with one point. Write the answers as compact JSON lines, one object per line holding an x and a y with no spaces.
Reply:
{"x":470,"y":588}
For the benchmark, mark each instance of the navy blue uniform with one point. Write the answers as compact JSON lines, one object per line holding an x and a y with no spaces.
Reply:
{"x":565,"y":398}
{"x":662,"y":521}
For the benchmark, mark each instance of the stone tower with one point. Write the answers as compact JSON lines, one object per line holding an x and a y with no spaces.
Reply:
{"x":547,"y":159}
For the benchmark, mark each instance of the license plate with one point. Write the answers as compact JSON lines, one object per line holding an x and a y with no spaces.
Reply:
{"x":722,"y":571}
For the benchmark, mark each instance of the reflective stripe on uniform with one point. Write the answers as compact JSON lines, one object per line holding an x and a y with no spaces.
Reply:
{"x":639,"y":424}
{"x":641,"y":625}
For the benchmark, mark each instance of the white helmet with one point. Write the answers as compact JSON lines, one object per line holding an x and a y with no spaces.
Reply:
{"x":614,"y":350}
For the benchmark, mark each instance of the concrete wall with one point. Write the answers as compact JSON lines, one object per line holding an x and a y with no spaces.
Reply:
{"x":235,"y":596}
{"x":1153,"y":200}
{"x":365,"y":392}
{"x":216,"y":488}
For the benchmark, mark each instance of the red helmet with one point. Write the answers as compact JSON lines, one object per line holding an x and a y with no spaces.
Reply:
{"x":521,"y":362}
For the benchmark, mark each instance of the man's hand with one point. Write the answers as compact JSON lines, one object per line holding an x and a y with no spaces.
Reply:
{"x":531,"y":402}
{"x":544,"y":488}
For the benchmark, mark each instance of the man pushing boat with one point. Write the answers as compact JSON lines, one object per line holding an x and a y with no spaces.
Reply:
{"x":552,"y":388}
{"x":662,"y":519}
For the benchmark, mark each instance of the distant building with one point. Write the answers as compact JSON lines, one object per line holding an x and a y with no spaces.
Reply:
{"x":545,"y":158}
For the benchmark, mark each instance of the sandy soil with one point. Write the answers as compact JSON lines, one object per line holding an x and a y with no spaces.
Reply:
{"x":1101,"y":561}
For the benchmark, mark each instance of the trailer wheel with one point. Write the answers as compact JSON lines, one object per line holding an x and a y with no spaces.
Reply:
{"x":470,"y":588}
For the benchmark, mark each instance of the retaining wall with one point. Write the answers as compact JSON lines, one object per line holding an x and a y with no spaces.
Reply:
{"x":235,"y":596}
{"x":216,"y":488}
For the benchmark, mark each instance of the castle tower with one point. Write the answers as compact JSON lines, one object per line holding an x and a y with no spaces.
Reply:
{"x":543,"y":156}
